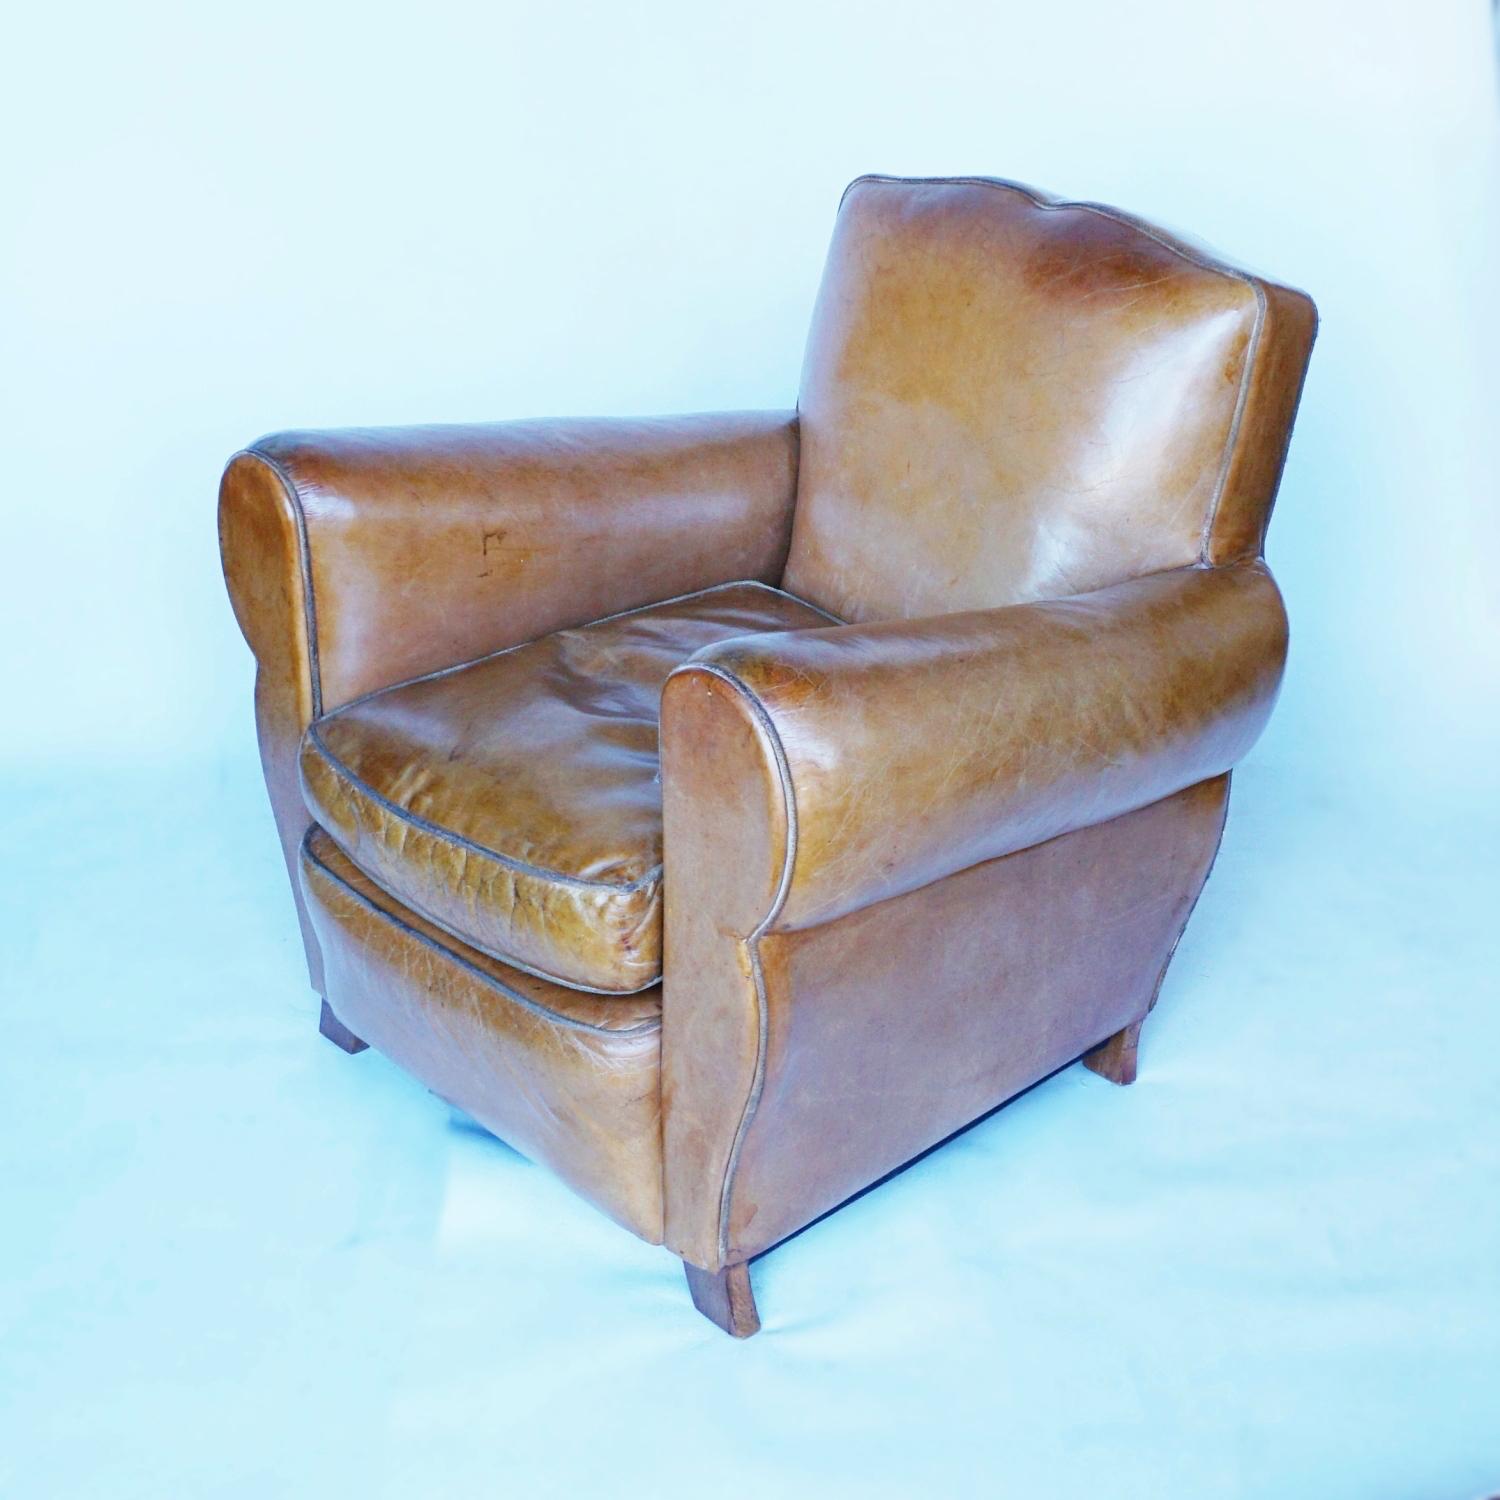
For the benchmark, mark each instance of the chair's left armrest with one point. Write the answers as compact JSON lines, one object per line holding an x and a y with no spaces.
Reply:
{"x":356,"y":559}
{"x":407,"y":549}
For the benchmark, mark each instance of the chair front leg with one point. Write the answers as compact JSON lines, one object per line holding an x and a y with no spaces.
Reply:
{"x":724,"y":1297}
{"x":337,"y":1033}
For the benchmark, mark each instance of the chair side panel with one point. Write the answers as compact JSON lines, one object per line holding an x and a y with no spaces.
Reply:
{"x":893,"y":1027}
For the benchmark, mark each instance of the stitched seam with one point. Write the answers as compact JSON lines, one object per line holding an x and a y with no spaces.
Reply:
{"x":1186,"y":252}
{"x":635,"y":609}
{"x":752,"y":942}
{"x":807,"y":603}
{"x":1046,"y":202}
{"x":1242,"y":401}
{"x":1193,"y":904}
{"x":309,"y":604}
{"x":499,"y":955}
{"x":555,"y":1017}
{"x":535,"y":872}
{"x":539,"y":872}
{"x":338,"y":767}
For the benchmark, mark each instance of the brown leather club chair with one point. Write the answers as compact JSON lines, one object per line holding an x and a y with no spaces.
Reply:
{"x":724,"y":809}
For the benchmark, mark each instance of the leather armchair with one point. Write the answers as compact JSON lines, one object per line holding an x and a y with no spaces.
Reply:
{"x":724,"y":810}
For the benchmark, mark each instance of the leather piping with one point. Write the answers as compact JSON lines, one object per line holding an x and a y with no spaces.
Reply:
{"x":536,"y":872}
{"x":620,"y":614}
{"x":554,"y":1017}
{"x":309,"y":605}
{"x":504,"y":958}
{"x":1188,"y":253}
{"x":1202,"y":886}
{"x":752,"y":941}
{"x":416,"y":820}
{"x":1161,"y":977}
{"x":1232,"y":442}
{"x":310,"y":611}
{"x":539,"y":872}
{"x":508,"y":959}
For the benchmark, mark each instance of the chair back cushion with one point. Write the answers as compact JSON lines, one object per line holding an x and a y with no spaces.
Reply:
{"x":1008,"y":398}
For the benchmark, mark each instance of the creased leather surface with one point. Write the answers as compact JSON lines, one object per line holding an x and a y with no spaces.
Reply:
{"x":720,"y":793}
{"x":1237,"y":528}
{"x":260,"y":542}
{"x":857,"y":769}
{"x":515,"y":801}
{"x":912,"y":863}
{"x":917,"y":748}
{"x":570,"y":1080}
{"x":1007,"y":398}
{"x":433,"y":545}
{"x":355,"y":559}
{"x":1007,"y":971}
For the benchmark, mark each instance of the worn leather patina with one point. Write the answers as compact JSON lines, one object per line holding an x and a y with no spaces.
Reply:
{"x":1008,"y":398}
{"x":570,"y":1079}
{"x":726,"y":809}
{"x":359,"y":559}
{"x":516,"y":801}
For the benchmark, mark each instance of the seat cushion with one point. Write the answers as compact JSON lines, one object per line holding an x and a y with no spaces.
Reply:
{"x":515,"y":801}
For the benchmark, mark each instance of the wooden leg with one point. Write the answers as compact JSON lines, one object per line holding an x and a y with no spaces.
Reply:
{"x":1114,"y":1059}
{"x":337,"y":1033}
{"x":724,"y":1297}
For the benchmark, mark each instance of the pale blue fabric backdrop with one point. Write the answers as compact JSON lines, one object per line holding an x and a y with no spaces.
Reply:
{"x":234,"y":1262}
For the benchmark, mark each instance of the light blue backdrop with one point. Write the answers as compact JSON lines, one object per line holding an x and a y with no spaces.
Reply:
{"x":234,"y":1262}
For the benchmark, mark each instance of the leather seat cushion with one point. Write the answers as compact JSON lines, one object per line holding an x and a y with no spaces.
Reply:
{"x":515,"y":801}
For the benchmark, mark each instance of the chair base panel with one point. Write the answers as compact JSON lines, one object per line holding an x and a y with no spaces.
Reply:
{"x":725,"y":1297}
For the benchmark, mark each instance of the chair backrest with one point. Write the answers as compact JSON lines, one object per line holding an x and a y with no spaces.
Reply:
{"x":1009,"y":398}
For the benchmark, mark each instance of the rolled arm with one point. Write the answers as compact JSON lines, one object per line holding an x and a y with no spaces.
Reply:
{"x":359,"y":558}
{"x":911,"y":749}
{"x":807,"y":776}
{"x":414,"y":548}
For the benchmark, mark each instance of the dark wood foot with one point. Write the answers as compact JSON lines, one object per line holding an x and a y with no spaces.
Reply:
{"x":337,"y":1033}
{"x":724,"y":1297}
{"x":1114,"y":1059}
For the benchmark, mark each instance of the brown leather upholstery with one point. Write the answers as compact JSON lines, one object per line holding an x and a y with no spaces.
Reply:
{"x":568,"y":1079}
{"x":358,"y":559}
{"x":1008,"y":398}
{"x":908,"y":750}
{"x":894,"y":870}
{"x":516,"y":801}
{"x":849,"y":1047}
